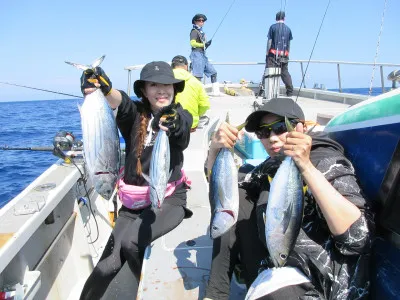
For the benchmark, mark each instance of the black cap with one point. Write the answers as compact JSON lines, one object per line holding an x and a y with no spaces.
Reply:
{"x":277,"y":106}
{"x":179,"y":60}
{"x":159,"y":72}
{"x":280,"y":15}
{"x":197,"y":17}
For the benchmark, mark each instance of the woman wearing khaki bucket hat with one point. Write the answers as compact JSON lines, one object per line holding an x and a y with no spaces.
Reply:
{"x":139,"y":123}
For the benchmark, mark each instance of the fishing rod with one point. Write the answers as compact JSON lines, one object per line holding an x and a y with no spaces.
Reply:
{"x":223,"y":19}
{"x":27,"y":148}
{"x":33,"y":88}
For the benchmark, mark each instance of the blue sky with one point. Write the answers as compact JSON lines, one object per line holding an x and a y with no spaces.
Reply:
{"x":38,"y":36}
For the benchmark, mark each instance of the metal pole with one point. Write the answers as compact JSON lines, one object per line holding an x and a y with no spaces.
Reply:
{"x":382,"y":81}
{"x":340,"y":82}
{"x":302,"y":75}
{"x":129,"y":83}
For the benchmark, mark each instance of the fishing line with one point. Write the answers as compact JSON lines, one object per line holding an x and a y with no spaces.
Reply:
{"x":223,"y":19}
{"x":83,"y":180}
{"x":312,"y":51}
{"x":377,"y":50}
{"x":33,"y":88}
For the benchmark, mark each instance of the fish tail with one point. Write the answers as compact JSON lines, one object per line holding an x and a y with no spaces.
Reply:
{"x":288,"y":125}
{"x":241,"y":126}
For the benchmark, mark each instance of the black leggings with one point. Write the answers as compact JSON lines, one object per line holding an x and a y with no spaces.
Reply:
{"x":133,"y":232}
{"x":241,"y":239}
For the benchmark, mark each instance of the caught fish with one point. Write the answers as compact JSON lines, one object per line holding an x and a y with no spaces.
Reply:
{"x":101,"y":146}
{"x":159,"y":169}
{"x":284,"y":212}
{"x":224,"y":192}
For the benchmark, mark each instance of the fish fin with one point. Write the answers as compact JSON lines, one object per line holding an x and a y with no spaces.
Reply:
{"x":241,"y":126}
{"x":288,"y":125}
{"x":97,"y":62}
{"x":229,"y":212}
{"x":227,"y":117}
{"x":79,"y":66}
{"x":158,"y":198}
{"x":288,"y":214}
{"x":147,"y":178}
{"x":305,"y":189}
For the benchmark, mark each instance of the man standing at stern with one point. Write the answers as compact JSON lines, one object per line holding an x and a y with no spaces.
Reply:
{"x":278,"y":47}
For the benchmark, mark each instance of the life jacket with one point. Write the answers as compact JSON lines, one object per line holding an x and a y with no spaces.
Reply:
{"x":138,"y":197}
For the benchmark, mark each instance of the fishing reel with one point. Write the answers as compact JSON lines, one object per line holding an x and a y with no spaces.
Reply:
{"x":65,"y":141}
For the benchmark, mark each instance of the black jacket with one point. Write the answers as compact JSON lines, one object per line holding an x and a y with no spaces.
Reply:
{"x":128,"y":120}
{"x":337,"y":265}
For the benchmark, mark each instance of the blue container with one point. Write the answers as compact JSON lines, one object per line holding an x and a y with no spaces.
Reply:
{"x":251,"y":148}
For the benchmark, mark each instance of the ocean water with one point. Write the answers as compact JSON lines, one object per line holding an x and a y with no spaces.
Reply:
{"x":34,"y":124}
{"x":31,"y":124}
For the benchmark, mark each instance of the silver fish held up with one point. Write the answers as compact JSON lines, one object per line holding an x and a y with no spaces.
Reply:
{"x":224,"y":193}
{"x":159,"y":173}
{"x":101,"y":145}
{"x":284,"y":212}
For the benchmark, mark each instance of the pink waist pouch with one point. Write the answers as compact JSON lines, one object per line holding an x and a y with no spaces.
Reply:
{"x":138,"y":197}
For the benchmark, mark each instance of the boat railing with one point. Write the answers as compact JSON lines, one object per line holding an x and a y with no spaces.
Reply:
{"x":298,"y":61}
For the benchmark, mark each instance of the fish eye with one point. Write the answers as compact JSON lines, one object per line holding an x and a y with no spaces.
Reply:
{"x":283,"y":256}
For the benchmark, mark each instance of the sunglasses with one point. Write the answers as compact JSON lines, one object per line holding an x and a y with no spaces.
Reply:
{"x":200,"y":20}
{"x":279,"y":127}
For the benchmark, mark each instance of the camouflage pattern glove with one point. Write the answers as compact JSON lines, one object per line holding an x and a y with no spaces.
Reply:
{"x":90,"y":76}
{"x":169,"y":118}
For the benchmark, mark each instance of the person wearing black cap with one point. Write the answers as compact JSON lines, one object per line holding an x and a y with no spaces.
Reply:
{"x":138,"y":224}
{"x":331,"y":253}
{"x":199,"y":44}
{"x":278,"y":48}
{"x":193,"y":97}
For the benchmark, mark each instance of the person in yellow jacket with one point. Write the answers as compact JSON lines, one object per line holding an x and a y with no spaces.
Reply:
{"x":193,"y":97}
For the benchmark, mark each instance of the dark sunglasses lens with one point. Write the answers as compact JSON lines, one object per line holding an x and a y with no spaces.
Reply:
{"x":279,"y":128}
{"x":200,"y":20}
{"x":265,"y":132}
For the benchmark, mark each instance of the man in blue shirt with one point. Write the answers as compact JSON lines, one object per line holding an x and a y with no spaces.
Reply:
{"x":278,"y":47}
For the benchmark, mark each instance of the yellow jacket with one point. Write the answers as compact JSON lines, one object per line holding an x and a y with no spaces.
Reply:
{"x":193,"y":98}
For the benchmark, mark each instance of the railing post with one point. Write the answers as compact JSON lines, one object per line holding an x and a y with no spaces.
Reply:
{"x":382,"y":81}
{"x":340,"y":81}
{"x":128,"y":90}
{"x":302,"y":75}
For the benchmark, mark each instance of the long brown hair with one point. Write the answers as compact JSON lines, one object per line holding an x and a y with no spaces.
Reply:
{"x":140,"y":135}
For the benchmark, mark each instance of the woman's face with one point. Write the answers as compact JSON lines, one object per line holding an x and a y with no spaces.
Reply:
{"x":158,"y":94}
{"x":199,"y":22}
{"x":274,"y":143}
